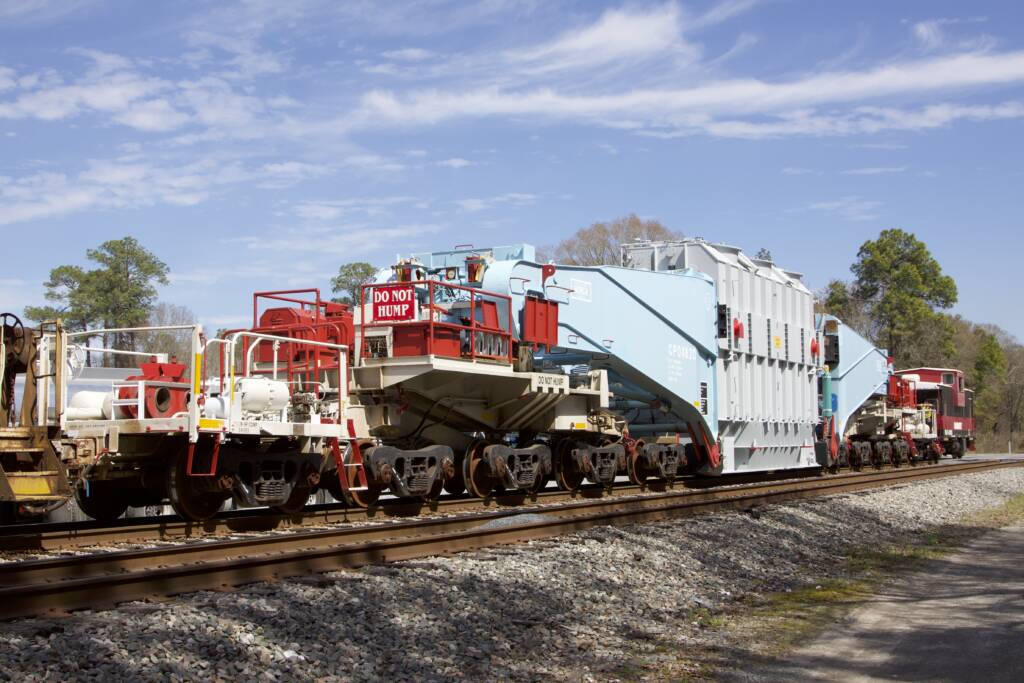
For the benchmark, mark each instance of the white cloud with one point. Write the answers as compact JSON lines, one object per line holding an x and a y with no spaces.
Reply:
{"x":373,"y":163}
{"x":875,"y":170}
{"x":851,"y":208}
{"x":456,"y":162}
{"x":618,"y":35}
{"x":130,"y":183}
{"x":473,"y":205}
{"x":152,"y":115}
{"x":881,"y":145}
{"x":720,"y":12}
{"x":341,"y":240}
{"x":327,"y":209}
{"x":798,"y":170}
{"x":8,"y":78}
{"x":732,"y":107}
{"x":408,"y":54}
{"x":41,"y":11}
{"x":929,"y":34}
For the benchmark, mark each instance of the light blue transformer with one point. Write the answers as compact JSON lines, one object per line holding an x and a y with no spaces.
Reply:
{"x":859,"y":371}
{"x":654,"y":332}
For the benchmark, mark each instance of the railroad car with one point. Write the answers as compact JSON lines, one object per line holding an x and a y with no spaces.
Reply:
{"x":482,"y":370}
{"x":950,"y":403}
{"x":140,"y":425}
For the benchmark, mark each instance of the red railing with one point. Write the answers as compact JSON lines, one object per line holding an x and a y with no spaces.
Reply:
{"x":317,"y":306}
{"x":412,"y":336}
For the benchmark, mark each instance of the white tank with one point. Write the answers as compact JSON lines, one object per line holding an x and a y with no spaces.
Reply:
{"x":89,"y":405}
{"x":262,"y":395}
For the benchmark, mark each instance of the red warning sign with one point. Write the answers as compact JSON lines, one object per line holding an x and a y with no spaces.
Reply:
{"x":394,"y":303}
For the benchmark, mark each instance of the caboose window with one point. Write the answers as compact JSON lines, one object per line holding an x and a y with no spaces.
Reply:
{"x":947,"y":378}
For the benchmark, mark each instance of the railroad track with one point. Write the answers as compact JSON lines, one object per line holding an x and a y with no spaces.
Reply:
{"x":68,"y":535}
{"x":59,"y":585}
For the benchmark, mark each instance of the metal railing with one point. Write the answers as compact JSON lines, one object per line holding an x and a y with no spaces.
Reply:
{"x":484,"y":341}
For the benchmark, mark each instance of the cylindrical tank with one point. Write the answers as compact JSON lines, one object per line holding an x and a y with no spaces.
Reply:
{"x":89,"y":405}
{"x":262,"y":395}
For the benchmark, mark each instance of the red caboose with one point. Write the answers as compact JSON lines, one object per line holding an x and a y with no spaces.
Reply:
{"x":943,"y":389}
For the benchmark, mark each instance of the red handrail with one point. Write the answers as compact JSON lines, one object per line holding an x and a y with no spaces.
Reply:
{"x":473,"y":328}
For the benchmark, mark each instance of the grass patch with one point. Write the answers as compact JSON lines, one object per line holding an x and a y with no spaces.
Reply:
{"x":781,"y":621}
{"x":762,"y":628}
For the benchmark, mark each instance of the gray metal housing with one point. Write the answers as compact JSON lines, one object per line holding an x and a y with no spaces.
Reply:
{"x":766,"y":376}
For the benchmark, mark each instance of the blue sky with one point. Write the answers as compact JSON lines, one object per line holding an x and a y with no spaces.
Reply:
{"x":257,"y":145}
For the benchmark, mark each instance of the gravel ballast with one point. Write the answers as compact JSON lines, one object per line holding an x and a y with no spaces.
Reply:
{"x":607,"y":603}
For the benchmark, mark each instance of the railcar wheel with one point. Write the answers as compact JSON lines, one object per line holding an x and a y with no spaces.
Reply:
{"x":435,"y":491}
{"x":857,"y":457}
{"x":876,"y":455}
{"x":569,"y":476}
{"x":478,"y":481}
{"x":104,"y":502}
{"x":897,"y":455}
{"x":296,"y":501}
{"x":456,"y":484}
{"x":352,"y":497}
{"x":637,"y":471}
{"x":188,"y":502}
{"x":542,"y":479}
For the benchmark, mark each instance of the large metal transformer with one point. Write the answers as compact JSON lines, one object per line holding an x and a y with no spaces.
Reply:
{"x":766,"y":365}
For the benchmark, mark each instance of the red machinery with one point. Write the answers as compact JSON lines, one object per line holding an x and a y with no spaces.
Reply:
{"x":305,"y":320}
{"x":165,"y":390}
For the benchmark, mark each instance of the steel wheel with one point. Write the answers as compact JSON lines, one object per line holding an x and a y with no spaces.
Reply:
{"x":435,"y":491}
{"x":542,"y":480}
{"x":856,"y":458}
{"x":15,"y":338}
{"x":104,"y":502}
{"x":456,"y":484}
{"x":295,"y":503}
{"x":188,"y":502}
{"x":352,"y":497}
{"x":478,"y":482}
{"x":568,"y":475}
{"x":876,"y":456}
{"x":637,"y":472}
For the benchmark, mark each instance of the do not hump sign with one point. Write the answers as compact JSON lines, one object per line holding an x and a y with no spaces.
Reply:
{"x":394,"y":303}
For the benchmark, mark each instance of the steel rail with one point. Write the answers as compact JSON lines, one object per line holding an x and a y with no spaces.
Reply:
{"x":66,"y":535}
{"x":103,"y":579}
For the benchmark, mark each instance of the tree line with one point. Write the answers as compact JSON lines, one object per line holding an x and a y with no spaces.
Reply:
{"x":117,"y":290}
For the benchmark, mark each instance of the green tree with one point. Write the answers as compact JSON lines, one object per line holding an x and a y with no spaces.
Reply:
{"x":349,"y":281}
{"x":70,"y":288}
{"x":902,"y":285}
{"x":838,"y":299}
{"x":120,"y":292}
{"x":600,"y":243}
{"x":763,"y":254}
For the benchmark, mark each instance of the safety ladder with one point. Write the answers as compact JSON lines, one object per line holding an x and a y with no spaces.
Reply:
{"x":30,"y":470}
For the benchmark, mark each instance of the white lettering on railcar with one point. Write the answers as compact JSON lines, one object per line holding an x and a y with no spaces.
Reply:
{"x":675,"y":361}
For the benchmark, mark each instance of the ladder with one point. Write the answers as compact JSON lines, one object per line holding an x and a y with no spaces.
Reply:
{"x":30,"y":470}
